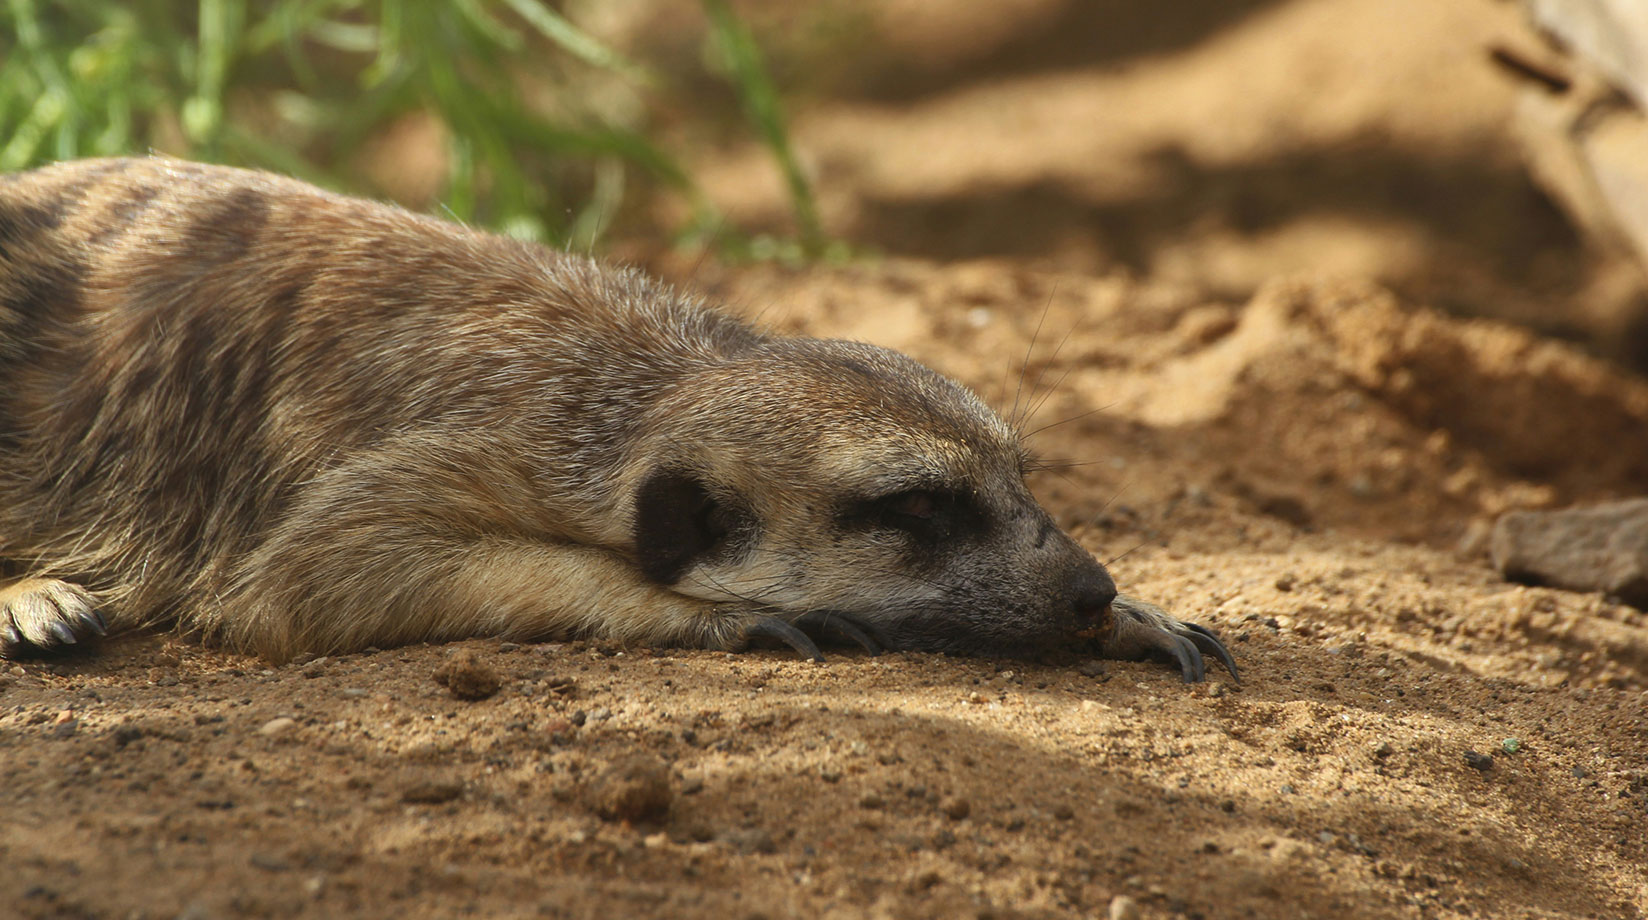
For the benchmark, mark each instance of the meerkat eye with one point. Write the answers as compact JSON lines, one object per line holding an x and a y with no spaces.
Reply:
{"x":923,"y":512}
{"x":927,"y":514}
{"x":919,"y":504}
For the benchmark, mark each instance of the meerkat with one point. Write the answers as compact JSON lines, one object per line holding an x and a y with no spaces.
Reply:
{"x":292,"y":421}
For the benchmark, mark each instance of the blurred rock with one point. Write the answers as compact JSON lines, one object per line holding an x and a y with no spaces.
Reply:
{"x":1601,"y":548}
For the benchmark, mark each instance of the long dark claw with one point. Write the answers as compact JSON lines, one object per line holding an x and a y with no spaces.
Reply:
{"x":1190,"y":660}
{"x":774,"y":628}
{"x":91,"y":622}
{"x":64,"y":634}
{"x":1208,"y":641}
{"x":841,"y":626}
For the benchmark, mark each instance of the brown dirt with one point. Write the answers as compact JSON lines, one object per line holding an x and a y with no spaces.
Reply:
{"x":1271,"y":471}
{"x":1306,"y":465}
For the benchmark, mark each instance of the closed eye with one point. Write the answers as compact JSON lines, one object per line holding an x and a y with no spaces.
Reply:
{"x":929,"y":514}
{"x":918,"y":504}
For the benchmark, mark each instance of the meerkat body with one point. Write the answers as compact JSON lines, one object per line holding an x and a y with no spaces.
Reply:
{"x":296,"y":421}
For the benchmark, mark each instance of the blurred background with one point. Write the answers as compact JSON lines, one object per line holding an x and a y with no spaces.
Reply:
{"x":1210,"y":144}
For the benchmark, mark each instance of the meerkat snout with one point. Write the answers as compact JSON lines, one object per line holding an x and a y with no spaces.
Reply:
{"x":1092,"y":591}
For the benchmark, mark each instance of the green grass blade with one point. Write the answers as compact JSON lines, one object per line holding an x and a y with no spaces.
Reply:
{"x":43,"y":118}
{"x":766,"y":114}
{"x":575,"y":41}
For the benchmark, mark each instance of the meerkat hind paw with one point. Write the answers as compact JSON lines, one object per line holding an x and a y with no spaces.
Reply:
{"x":1145,"y":630}
{"x":44,"y":614}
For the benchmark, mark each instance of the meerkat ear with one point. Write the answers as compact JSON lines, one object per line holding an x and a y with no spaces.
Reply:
{"x":676,"y":522}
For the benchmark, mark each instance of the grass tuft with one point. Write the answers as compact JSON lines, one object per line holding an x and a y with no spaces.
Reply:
{"x":307,"y":86}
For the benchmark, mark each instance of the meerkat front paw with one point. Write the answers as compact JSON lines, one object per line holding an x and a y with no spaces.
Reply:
{"x":802,"y":632}
{"x":1144,"y":630}
{"x":44,"y":613}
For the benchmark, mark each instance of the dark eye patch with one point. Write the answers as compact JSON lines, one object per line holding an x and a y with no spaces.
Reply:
{"x":928,"y":514}
{"x":679,"y":522}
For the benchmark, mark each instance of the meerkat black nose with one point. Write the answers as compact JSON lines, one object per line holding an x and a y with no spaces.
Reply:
{"x":1091,"y":594}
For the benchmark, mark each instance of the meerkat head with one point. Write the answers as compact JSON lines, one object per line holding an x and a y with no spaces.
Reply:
{"x":811,"y":476}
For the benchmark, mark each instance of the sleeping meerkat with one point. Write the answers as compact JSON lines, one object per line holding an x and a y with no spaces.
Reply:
{"x":299,"y":422}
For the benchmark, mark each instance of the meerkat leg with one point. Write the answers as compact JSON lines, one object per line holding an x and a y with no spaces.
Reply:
{"x":531,"y":590}
{"x":342,"y":573}
{"x":1144,"y":630}
{"x":534,"y":590}
{"x":513,"y":589}
{"x":45,"y":614}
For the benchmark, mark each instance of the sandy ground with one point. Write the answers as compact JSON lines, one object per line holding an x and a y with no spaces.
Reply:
{"x":1305,"y":462}
{"x":1301,"y":474}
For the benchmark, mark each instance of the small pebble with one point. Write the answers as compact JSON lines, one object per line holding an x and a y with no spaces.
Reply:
{"x":352,"y":693}
{"x":751,"y":840}
{"x":1063,"y":812}
{"x":956,"y":808}
{"x":278,"y":726}
{"x":432,"y":792}
{"x":1092,"y":667}
{"x":466,"y":677}
{"x":636,"y":789}
{"x":1479,"y":761}
{"x":1510,"y":745}
{"x":1123,"y":907}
